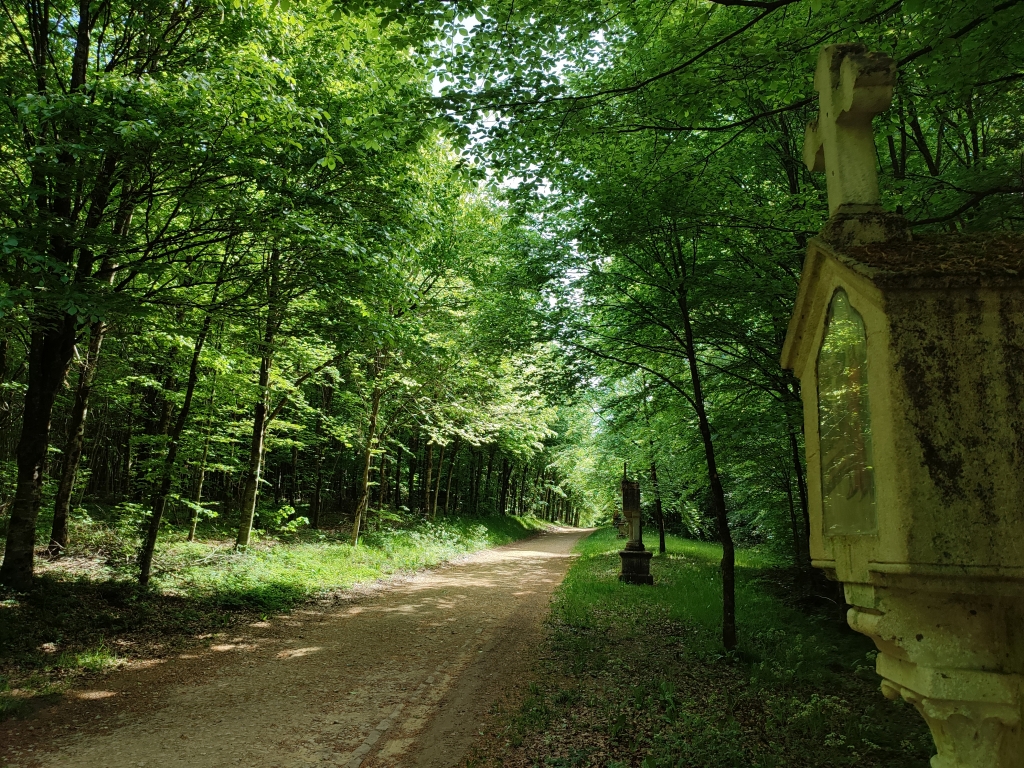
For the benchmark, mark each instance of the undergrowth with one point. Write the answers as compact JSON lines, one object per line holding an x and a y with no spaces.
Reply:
{"x":87,"y":614}
{"x":636,"y":676}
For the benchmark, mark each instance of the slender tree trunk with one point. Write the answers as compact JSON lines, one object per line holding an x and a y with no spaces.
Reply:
{"x":250,"y":491}
{"x":437,"y":488}
{"x":326,"y":396}
{"x":487,"y":479}
{"x":658,"y":516}
{"x":413,"y":463}
{"x":451,"y":471}
{"x":318,"y":488}
{"x":197,"y":497}
{"x":398,"y":474}
{"x":797,"y":554}
{"x":429,"y":461}
{"x":801,"y":486}
{"x":506,"y":471}
{"x":293,"y":489}
{"x":728,"y":564}
{"x":371,"y":436}
{"x":383,"y":481}
{"x":167,"y":475}
{"x":475,"y":480}
{"x":76,"y":441}
{"x":127,"y":465}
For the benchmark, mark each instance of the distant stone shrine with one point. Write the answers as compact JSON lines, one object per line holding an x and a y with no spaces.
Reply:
{"x":636,"y":561}
{"x":910,"y":353}
{"x":620,"y":524}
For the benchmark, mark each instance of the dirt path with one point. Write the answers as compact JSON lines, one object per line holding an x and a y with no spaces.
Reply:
{"x":399,"y":679}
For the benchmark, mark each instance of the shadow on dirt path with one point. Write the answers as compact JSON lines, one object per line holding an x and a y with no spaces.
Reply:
{"x":401,"y":678}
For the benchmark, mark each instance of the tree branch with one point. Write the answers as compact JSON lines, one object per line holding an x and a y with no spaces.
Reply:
{"x":973,"y":201}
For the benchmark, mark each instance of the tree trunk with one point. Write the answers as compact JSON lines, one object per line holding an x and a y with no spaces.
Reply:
{"x":50,"y":350}
{"x":197,"y":497}
{"x":76,"y":441}
{"x":293,"y":488}
{"x":252,"y":475}
{"x":451,"y":471}
{"x":437,"y":488}
{"x":728,"y":564}
{"x":801,"y":486}
{"x":506,"y":472}
{"x":318,"y":488}
{"x":797,"y":555}
{"x":262,"y":411}
{"x":53,"y":332}
{"x":413,"y":462}
{"x":429,"y":461}
{"x":383,"y":481}
{"x":487,"y":479}
{"x":250,"y":491}
{"x":364,"y":496}
{"x":476,"y":472}
{"x":658,"y":516}
{"x":398,"y":475}
{"x":167,"y":475}
{"x":326,"y":396}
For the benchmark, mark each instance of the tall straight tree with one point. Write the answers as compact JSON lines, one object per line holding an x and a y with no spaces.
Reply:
{"x":71,"y":188}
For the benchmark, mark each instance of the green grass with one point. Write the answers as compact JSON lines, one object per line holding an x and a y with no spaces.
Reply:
{"x":70,"y":625}
{"x":688,"y":590}
{"x":636,"y":675}
{"x":274,"y":575}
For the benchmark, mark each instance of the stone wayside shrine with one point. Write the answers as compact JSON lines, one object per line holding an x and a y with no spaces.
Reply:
{"x":636,"y":561}
{"x":910,"y":354}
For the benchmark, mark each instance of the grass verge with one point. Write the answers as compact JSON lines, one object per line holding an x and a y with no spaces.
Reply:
{"x":635,"y":676}
{"x":79,"y":620}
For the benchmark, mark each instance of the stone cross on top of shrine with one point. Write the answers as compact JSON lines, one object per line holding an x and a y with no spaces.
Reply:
{"x":853,"y":86}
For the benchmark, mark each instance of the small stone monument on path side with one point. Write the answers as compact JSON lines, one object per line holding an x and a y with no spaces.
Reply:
{"x":910,"y":354}
{"x":636,"y":561}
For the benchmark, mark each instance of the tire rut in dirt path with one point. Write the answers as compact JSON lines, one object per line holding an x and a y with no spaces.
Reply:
{"x":400,"y":679}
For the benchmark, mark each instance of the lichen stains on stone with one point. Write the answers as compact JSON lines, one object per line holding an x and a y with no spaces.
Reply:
{"x":964,"y":255}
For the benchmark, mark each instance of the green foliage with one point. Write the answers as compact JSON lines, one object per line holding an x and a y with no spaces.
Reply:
{"x":273,"y":576}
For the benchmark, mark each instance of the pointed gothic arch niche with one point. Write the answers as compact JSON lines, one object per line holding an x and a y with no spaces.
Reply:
{"x":844,"y":423}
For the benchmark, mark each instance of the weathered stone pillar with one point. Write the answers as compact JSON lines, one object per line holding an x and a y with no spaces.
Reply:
{"x":911,"y":361}
{"x":636,"y":561}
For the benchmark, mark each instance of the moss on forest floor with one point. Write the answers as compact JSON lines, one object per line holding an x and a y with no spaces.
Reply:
{"x":86,"y":614}
{"x":635,"y":676}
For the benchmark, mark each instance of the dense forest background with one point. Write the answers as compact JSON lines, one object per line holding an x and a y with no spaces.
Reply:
{"x":268,"y":265}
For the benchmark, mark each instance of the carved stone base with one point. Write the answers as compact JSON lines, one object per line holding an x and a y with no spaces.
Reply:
{"x":636,"y":566}
{"x":955,"y":656}
{"x":967,"y":734}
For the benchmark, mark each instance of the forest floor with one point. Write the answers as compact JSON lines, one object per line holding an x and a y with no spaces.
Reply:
{"x":400,"y":675}
{"x":635,"y":675}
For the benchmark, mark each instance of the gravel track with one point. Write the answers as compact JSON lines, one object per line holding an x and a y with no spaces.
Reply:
{"x":401,"y":677}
